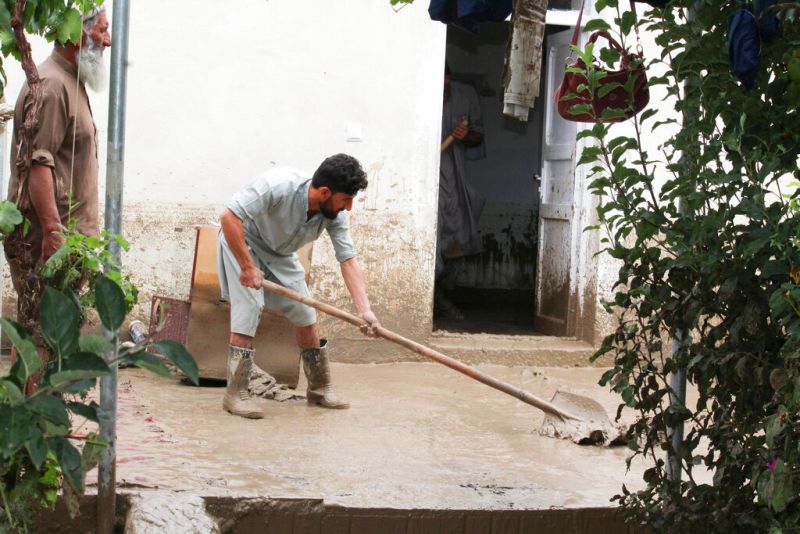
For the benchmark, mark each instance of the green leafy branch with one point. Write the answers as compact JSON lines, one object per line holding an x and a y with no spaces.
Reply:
{"x":709,"y":267}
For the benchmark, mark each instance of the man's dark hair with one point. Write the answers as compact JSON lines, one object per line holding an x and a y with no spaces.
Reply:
{"x":341,"y":174}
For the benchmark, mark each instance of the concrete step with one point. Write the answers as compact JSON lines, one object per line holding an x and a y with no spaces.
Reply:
{"x":537,"y":350}
{"x":235,"y":515}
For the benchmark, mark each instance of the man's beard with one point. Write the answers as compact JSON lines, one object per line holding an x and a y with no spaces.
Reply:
{"x":91,"y":66}
{"x":327,"y":212}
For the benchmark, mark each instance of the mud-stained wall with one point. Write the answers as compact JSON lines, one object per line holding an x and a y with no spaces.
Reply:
{"x":393,"y":257}
{"x":258,"y":85}
{"x":162,"y":250}
{"x":509,"y":241}
{"x":401,"y":295}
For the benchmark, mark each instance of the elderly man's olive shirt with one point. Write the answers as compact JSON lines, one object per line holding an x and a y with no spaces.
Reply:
{"x":274,"y":211}
{"x":66,"y":128}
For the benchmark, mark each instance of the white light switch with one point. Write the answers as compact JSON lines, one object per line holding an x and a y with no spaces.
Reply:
{"x":353,"y":132}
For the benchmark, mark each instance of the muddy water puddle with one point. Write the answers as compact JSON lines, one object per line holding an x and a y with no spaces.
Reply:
{"x":417,"y":435}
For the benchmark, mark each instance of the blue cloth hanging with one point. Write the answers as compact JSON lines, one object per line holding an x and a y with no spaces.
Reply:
{"x":744,"y":45}
{"x":469,"y":13}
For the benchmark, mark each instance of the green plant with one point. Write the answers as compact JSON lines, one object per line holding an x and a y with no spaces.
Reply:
{"x":82,"y":259}
{"x":39,"y":427}
{"x":704,"y":228}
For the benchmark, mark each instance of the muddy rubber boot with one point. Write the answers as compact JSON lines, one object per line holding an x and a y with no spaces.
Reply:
{"x":318,"y":374}
{"x":237,"y":398}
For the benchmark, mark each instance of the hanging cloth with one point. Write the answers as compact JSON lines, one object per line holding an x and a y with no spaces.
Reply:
{"x":468,"y":14}
{"x":523,"y":67}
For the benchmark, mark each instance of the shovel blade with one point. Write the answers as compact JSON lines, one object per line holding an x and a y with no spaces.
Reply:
{"x":593,"y":428}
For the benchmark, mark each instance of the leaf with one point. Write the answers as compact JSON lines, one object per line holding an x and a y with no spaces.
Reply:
{"x":71,"y":27}
{"x":50,"y":408}
{"x":87,"y":411}
{"x":80,"y":387}
{"x":607,"y":88}
{"x":589,"y":155}
{"x":778,"y":378}
{"x":10,"y":393}
{"x":80,"y":366}
{"x":779,"y":487}
{"x":178,"y":355}
{"x":28,"y":360}
{"x":59,"y":322}
{"x":579,"y":109}
{"x":774,"y":426}
{"x":596,"y":25}
{"x":148,"y":362}
{"x":55,"y":262}
{"x":94,"y":343}
{"x":15,"y":428}
{"x":93,"y":449}
{"x":627,"y":22}
{"x":10,"y":216}
{"x":756,"y":241}
{"x":110,"y":303}
{"x":122,"y":242}
{"x":609,"y":56}
{"x":37,"y":448}
{"x":69,"y":459}
{"x":610,"y":113}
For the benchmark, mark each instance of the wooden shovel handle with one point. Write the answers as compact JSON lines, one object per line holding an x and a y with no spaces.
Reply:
{"x":449,"y":139}
{"x":452,"y":363}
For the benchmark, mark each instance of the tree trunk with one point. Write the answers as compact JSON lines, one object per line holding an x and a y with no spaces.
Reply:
{"x":33,"y":106}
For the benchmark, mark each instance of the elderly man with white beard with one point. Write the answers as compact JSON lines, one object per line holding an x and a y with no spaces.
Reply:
{"x":61,"y":184}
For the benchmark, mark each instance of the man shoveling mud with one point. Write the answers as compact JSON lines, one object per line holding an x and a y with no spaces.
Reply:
{"x":262,"y":228}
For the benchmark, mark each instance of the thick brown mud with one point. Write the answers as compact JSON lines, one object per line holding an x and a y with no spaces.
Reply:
{"x":417,"y":436}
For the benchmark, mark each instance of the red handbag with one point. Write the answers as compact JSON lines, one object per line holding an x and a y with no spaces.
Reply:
{"x":629,"y":102}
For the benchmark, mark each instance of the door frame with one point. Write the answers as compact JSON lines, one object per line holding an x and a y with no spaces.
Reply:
{"x":584,"y":244}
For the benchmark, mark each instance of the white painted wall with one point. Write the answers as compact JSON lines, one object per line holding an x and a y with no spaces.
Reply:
{"x":217,"y":95}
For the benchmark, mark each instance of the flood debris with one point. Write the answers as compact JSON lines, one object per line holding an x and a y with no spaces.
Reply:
{"x":264,"y":385}
{"x":155,"y":512}
{"x":592,"y":427}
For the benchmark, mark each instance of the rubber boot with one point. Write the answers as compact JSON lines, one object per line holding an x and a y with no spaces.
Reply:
{"x":237,"y":398}
{"x":318,"y":374}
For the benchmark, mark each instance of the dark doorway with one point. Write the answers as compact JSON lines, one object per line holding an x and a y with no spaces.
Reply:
{"x":492,"y":291}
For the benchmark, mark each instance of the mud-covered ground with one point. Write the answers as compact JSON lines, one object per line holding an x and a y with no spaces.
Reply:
{"x":417,"y":435}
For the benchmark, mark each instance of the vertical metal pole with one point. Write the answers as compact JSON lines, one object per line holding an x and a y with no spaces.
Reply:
{"x":677,"y":380}
{"x":106,"y":493}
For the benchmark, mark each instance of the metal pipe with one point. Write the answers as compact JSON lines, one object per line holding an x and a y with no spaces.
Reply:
{"x":106,"y":492}
{"x":677,"y":397}
{"x":677,"y":382}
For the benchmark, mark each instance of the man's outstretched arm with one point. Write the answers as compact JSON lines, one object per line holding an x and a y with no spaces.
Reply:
{"x":354,"y":280}
{"x":233,"y":230}
{"x":42,"y":192}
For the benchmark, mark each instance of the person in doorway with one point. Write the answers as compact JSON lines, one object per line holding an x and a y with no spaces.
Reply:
{"x":262,"y":227}
{"x":61,"y":181}
{"x":460,"y":205}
